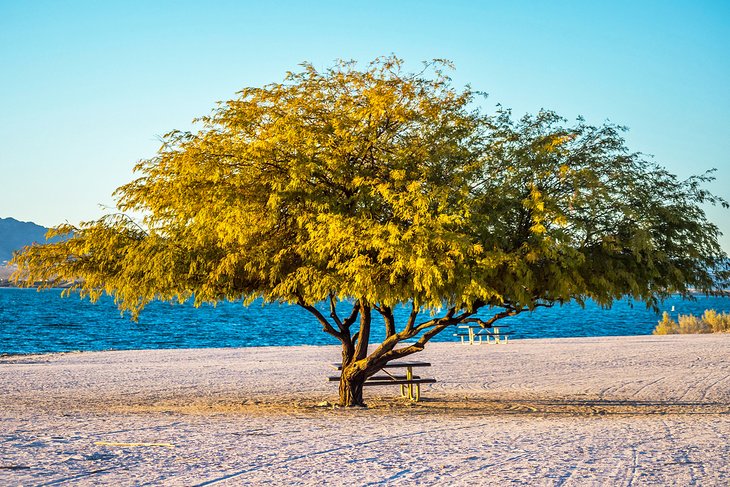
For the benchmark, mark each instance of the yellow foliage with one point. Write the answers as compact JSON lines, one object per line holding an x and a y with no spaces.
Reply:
{"x":666,"y":326}
{"x":387,"y":187}
{"x":710,"y":322}
{"x":717,"y":322}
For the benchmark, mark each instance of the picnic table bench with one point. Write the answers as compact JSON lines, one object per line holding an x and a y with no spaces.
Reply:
{"x":474,"y":332}
{"x":410,"y":385}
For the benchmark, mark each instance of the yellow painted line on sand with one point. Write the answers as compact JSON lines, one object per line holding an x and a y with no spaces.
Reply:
{"x":114,"y":443}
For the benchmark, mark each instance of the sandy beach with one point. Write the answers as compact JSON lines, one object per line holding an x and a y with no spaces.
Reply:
{"x":582,"y":411}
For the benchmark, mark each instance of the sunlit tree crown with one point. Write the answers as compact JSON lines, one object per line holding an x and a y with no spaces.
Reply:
{"x":388,"y":187}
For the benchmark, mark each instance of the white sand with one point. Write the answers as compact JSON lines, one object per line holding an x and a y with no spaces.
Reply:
{"x":586,"y":411}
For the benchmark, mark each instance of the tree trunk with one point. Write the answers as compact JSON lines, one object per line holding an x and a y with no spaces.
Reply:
{"x":353,"y":376}
{"x":351,"y":383}
{"x":351,"y":390}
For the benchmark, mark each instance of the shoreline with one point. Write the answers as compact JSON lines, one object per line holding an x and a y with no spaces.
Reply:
{"x":11,"y":355}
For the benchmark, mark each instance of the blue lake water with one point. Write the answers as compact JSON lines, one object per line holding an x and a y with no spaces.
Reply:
{"x":39,"y":322}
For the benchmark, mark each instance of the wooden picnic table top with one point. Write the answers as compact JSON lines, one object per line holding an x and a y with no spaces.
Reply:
{"x":390,"y":365}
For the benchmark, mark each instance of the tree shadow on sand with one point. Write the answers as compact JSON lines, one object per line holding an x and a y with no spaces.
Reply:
{"x":442,"y":404}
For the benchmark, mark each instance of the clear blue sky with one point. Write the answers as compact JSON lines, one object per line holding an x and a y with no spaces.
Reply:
{"x":87,"y":87}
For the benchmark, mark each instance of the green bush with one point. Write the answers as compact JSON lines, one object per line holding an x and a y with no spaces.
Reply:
{"x":710,"y":322}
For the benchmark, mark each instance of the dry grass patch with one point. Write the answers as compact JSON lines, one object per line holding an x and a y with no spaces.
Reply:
{"x":710,"y":322}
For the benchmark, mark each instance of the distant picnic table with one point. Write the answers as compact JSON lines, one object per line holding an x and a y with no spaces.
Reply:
{"x":410,"y":385}
{"x":474,"y":332}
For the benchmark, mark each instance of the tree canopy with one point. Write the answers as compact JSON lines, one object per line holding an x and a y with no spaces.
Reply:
{"x":383,"y":188}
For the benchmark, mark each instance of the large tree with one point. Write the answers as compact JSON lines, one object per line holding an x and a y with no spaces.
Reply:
{"x":382,"y":188}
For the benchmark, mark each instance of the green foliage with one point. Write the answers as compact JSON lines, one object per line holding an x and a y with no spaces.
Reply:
{"x":385,"y":187}
{"x":710,"y":322}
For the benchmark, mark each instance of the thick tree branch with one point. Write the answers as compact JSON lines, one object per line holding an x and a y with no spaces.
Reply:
{"x":350,"y":320}
{"x":498,"y":316}
{"x":333,"y":313}
{"x":363,"y":336}
{"x":326,"y":326}
{"x":353,"y":315}
{"x":509,"y":311}
{"x":387,"y":313}
{"x":348,"y":347}
{"x":412,"y":318}
{"x":383,"y":353}
{"x":436,"y":326}
{"x":430,"y":323}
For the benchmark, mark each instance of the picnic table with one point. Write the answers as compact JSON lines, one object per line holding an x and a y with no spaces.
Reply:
{"x":410,"y":385}
{"x":473,"y":332}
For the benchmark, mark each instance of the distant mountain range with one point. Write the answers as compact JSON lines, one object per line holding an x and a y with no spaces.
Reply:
{"x":14,"y":235}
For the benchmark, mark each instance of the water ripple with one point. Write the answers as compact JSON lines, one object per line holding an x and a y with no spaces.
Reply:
{"x":39,"y":322}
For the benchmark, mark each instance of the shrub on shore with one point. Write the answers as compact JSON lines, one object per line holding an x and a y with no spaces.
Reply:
{"x":710,"y":322}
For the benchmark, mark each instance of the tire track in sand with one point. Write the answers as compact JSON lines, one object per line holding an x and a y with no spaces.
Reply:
{"x":649,"y":384}
{"x":294,"y":458}
{"x":709,"y":387}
